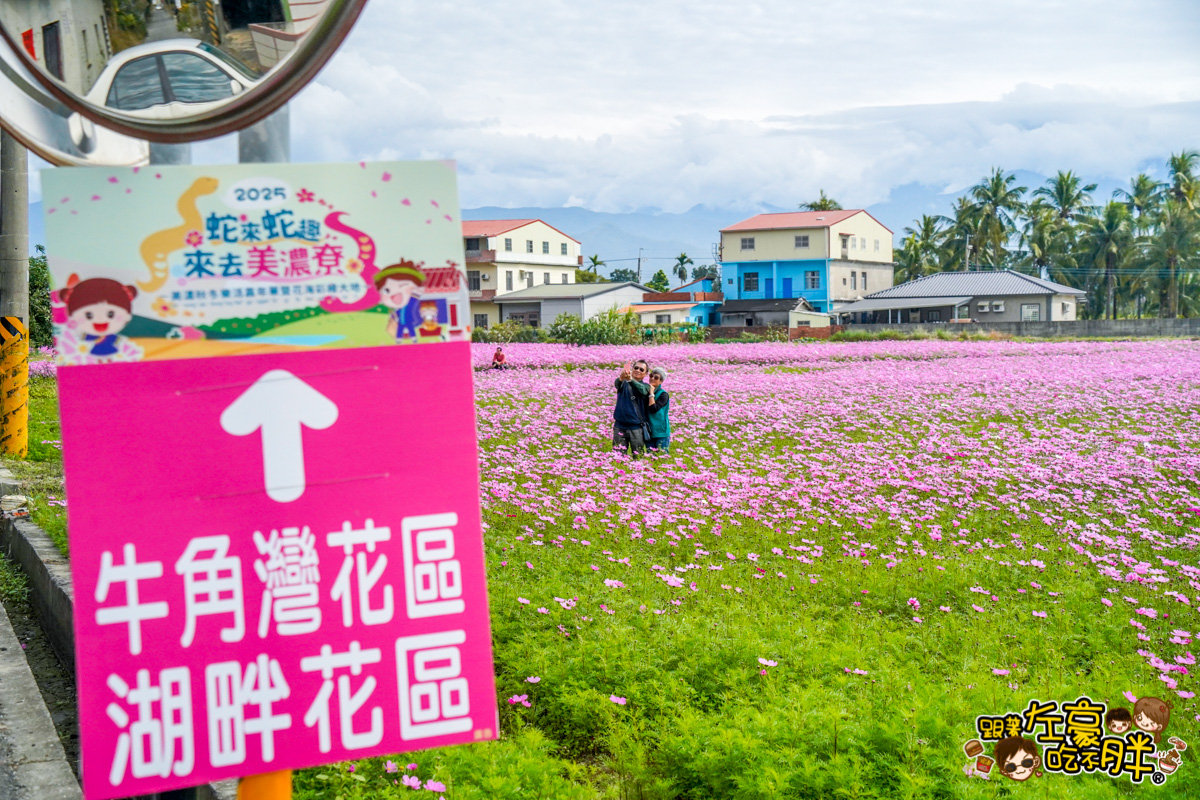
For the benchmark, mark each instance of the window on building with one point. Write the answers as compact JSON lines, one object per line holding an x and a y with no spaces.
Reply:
{"x":529,"y":245}
{"x":52,"y":51}
{"x":472,"y":244}
{"x":751,"y":282}
{"x":845,"y":245}
{"x":998,"y":305}
{"x":933,"y":316}
{"x":545,"y":248}
{"x":1031,"y":312}
{"x":662,"y":319}
{"x":473,"y":280}
{"x":802,"y":242}
{"x":730,"y":281}
{"x":812,"y":280}
{"x":983,"y":307}
{"x":529,"y":279}
{"x":481,"y":320}
{"x":508,"y":245}
{"x":864,"y":281}
{"x":853,"y":280}
{"x":862,"y":242}
{"x":1065,"y":309}
{"x":564,"y":248}
{"x":545,"y":277}
{"x":508,"y":280}
{"x":876,"y":245}
{"x":843,"y":281}
{"x":853,"y":242}
{"x":747,"y":242}
{"x":565,"y":278}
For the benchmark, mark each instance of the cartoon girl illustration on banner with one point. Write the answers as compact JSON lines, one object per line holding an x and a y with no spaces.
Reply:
{"x":1152,"y":715}
{"x":98,"y":309}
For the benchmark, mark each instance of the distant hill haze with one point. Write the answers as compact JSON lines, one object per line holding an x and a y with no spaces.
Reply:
{"x":662,"y":236}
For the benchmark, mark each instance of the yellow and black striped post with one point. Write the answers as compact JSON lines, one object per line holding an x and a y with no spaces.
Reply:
{"x":210,"y":13}
{"x":14,"y":387}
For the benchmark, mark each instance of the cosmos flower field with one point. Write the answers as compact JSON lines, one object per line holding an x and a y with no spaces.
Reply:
{"x":851,"y":551}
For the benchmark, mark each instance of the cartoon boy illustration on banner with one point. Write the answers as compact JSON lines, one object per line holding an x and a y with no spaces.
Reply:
{"x":412,"y":318}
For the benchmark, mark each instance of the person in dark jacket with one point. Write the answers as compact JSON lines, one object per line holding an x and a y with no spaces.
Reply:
{"x":629,"y":415}
{"x":658,"y":407}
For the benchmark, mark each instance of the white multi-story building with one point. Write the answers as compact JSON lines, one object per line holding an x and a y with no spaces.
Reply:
{"x":67,"y":38}
{"x":507,"y":255}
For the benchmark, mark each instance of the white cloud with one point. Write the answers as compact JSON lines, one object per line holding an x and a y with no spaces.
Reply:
{"x":628,"y":105}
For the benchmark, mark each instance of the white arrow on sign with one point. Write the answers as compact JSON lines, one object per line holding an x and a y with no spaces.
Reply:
{"x":279,"y":403}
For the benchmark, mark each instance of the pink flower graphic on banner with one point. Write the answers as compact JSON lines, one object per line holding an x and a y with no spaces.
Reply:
{"x":194,"y":239}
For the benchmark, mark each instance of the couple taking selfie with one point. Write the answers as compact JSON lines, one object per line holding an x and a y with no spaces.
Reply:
{"x":640,"y":419}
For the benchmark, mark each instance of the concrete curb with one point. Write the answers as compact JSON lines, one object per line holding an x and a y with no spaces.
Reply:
{"x":34,"y":764}
{"x":51,"y":594}
{"x":51,"y":590}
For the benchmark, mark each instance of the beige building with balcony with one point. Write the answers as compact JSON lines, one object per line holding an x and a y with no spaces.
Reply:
{"x":508,"y":255}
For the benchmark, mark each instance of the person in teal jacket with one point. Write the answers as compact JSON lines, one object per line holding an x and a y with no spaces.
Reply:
{"x":658,"y":403}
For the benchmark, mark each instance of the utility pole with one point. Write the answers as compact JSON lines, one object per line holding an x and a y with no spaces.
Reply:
{"x":14,"y":296}
{"x":639,"y":265}
{"x":967,"y":254}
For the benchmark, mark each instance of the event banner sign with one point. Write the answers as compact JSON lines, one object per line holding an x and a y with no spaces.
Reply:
{"x":277,"y":555}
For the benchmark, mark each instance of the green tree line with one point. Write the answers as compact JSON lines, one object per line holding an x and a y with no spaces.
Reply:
{"x":1138,"y":254}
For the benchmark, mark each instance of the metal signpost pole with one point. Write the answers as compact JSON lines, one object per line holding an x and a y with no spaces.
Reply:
{"x":14,"y":296}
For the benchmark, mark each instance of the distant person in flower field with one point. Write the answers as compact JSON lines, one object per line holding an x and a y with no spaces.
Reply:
{"x":630,"y":430}
{"x":499,"y":360}
{"x":1017,"y":758}
{"x":658,"y":404}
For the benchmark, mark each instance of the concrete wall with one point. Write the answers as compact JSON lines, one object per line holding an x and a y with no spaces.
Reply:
{"x":82,"y":36}
{"x":552,"y":308}
{"x":625,"y":296}
{"x":1171,"y":328}
{"x":841,"y":287}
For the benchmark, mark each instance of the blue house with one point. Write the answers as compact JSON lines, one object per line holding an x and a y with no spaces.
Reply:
{"x":697,"y":302}
{"x":829,"y":258}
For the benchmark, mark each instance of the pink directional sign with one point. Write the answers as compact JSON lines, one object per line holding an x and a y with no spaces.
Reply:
{"x":277,"y":561}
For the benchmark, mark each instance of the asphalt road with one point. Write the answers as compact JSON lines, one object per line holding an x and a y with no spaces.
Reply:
{"x":161,"y":26}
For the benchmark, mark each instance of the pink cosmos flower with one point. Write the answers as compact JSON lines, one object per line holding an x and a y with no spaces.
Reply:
{"x":917,"y":620}
{"x":943,"y":608}
{"x":435,"y":786}
{"x":533,"y":679}
{"x":766,"y":662}
{"x":543,"y":611}
{"x":1106,"y":601}
{"x":999,"y":672}
{"x":411,"y":781}
{"x":1130,"y":696}
{"x":391,"y":767}
{"x":618,"y":700}
{"x":522,"y":601}
{"x":1041,"y":614}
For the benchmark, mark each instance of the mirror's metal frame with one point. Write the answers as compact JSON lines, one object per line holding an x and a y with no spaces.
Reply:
{"x":275,"y":89}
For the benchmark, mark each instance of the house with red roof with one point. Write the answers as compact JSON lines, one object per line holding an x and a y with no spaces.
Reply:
{"x":828,"y":258}
{"x":508,"y":255}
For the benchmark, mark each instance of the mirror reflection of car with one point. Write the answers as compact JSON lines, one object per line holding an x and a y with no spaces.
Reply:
{"x":169,"y":79}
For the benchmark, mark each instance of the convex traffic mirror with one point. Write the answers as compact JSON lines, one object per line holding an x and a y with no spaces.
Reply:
{"x":156,"y":70}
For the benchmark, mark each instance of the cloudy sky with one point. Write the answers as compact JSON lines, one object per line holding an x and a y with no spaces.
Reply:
{"x":623,"y":105}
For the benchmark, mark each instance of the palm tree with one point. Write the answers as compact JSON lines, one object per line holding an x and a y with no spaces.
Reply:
{"x":1108,"y":240}
{"x":1048,"y":242}
{"x":594,"y":264}
{"x":1174,"y":243}
{"x":681,"y":266}
{"x":997,"y":204}
{"x":822,"y":203}
{"x":959,"y":238}
{"x":1066,"y":195}
{"x":1142,"y":197}
{"x":1185,"y":183}
{"x":919,"y":254}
